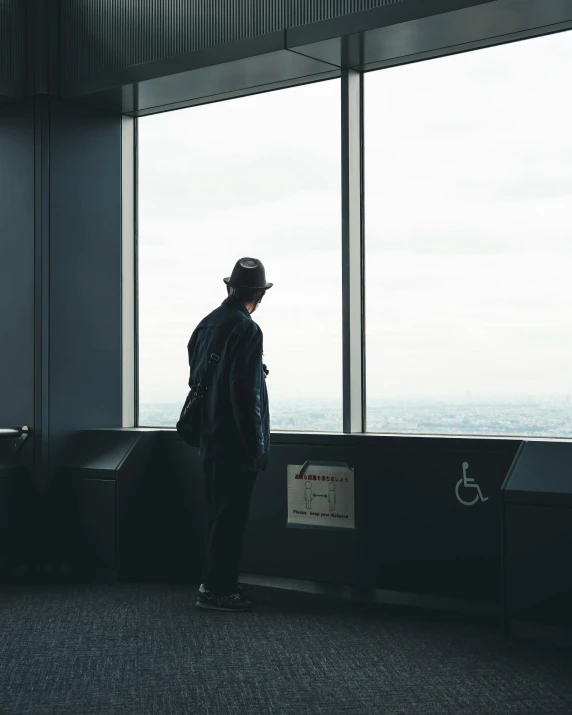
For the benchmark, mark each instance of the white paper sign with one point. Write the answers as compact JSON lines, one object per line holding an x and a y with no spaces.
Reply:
{"x":322,"y":496}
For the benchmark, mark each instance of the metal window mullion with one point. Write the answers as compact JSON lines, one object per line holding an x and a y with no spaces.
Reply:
{"x":128,"y":277}
{"x":136,"y":259}
{"x":353,"y":312}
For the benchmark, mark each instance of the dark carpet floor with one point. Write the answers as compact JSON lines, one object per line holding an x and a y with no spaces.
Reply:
{"x":144,"y":648}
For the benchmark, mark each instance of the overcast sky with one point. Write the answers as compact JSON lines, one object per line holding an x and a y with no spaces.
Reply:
{"x":468,"y":172}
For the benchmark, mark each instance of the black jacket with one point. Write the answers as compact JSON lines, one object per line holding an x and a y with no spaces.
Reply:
{"x":235,"y":417}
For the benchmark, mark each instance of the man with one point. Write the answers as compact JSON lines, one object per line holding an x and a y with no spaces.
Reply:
{"x":235,"y":430}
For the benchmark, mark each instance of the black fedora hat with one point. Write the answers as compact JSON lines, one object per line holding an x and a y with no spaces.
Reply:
{"x":248,"y":273}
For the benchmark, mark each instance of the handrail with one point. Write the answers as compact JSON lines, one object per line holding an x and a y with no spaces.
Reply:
{"x":20,"y":434}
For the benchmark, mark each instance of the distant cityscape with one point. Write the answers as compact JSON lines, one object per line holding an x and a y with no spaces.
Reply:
{"x":547,"y":416}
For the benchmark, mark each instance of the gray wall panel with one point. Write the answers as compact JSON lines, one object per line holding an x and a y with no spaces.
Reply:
{"x":60,"y":286}
{"x":12,"y":65}
{"x":85,"y":271}
{"x":17,"y":265}
{"x":411,"y":533}
{"x":100,"y":36}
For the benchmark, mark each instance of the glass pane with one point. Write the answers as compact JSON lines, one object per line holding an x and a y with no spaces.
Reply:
{"x":257,"y":176}
{"x":468,"y":204}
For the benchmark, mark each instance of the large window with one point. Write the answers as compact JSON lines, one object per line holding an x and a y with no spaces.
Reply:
{"x":468,"y":179}
{"x":468,"y":198}
{"x":257,"y":176}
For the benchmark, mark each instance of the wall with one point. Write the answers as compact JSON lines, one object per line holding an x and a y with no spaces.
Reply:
{"x":12,"y":59}
{"x":412,"y":535}
{"x":85,"y":271}
{"x":60,"y":282}
{"x":17,"y":265}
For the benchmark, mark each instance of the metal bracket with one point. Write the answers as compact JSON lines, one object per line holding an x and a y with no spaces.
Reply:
{"x":314,"y":463}
{"x":19,"y":441}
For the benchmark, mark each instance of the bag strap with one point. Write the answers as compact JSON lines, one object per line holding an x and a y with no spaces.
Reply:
{"x":215,"y":349}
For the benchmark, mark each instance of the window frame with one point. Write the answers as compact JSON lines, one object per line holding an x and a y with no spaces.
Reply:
{"x":353,"y":235}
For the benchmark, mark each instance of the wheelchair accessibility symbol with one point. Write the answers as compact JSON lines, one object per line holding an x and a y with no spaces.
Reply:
{"x":469,"y":483}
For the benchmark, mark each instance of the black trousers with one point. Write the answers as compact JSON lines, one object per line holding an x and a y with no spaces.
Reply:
{"x":228,"y":491}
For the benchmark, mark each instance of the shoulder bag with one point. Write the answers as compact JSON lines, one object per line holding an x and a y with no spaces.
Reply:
{"x":189,"y":424}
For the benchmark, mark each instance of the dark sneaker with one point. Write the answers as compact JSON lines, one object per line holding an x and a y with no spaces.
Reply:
{"x":239,"y":589}
{"x":216,"y":602}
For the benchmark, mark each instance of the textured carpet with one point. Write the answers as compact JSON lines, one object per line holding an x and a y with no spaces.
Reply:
{"x":145,"y":648}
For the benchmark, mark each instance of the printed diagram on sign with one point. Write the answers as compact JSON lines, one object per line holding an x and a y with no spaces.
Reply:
{"x":308,"y":495}
{"x":321,"y":494}
{"x":468,"y":483}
